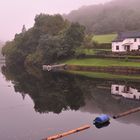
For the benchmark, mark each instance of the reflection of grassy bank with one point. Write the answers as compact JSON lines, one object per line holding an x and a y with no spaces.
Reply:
{"x":107,"y":76}
{"x":103,"y":62}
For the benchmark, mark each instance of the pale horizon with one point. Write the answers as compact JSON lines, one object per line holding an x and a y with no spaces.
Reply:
{"x":14,"y":14}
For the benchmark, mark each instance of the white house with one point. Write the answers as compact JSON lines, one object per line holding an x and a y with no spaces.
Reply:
{"x":127,"y":41}
{"x":125,"y":91}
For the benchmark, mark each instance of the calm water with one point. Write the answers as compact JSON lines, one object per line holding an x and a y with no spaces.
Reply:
{"x":35,"y":105}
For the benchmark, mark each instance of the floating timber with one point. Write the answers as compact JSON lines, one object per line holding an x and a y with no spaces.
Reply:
{"x":68,"y":133}
{"x":54,"y":67}
{"x":126,"y":113}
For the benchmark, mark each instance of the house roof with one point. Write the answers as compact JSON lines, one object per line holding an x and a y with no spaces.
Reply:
{"x":123,"y":35}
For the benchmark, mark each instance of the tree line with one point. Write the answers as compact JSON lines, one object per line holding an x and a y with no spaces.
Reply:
{"x":50,"y":39}
{"x":112,"y":17}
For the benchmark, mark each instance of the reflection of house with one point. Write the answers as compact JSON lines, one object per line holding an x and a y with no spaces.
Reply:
{"x":125,"y":91}
{"x":127,"y":41}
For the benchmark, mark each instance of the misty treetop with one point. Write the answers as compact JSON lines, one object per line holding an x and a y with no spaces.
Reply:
{"x":114,"y":16}
{"x":50,"y":39}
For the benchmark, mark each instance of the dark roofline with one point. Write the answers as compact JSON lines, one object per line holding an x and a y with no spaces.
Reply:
{"x":123,"y":35}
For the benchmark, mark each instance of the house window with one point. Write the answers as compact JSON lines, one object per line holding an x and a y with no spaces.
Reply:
{"x":135,"y":40}
{"x":126,"y":89}
{"x":117,"y":47}
{"x":134,"y":97}
{"x":117,"y":88}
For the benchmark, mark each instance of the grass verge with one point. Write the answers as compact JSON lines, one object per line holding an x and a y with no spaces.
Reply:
{"x":103,"y":39}
{"x":103,"y":62}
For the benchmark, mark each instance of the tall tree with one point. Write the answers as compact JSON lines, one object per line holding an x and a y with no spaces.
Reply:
{"x":50,"y":39}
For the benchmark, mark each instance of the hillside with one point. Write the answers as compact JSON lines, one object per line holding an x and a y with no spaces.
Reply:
{"x":114,"y":16}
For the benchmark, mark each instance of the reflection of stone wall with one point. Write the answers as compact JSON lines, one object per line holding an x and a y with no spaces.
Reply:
{"x":113,"y":69}
{"x":125,"y":91}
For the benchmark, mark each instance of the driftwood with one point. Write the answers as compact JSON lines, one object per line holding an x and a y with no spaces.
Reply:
{"x":68,"y":133}
{"x":126,"y":113}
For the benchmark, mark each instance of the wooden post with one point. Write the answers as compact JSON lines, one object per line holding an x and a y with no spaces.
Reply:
{"x":68,"y":133}
{"x":126,"y":113}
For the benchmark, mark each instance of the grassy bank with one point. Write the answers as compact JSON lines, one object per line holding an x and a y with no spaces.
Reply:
{"x":102,"y":62}
{"x":90,"y":51}
{"x":106,"y":38}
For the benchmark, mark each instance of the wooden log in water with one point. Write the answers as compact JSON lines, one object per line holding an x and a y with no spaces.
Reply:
{"x":126,"y":113}
{"x":68,"y":133}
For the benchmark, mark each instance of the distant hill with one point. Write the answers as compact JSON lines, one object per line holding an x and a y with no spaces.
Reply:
{"x":114,"y":16}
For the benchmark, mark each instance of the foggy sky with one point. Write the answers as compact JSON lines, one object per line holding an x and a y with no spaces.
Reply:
{"x":15,"y":13}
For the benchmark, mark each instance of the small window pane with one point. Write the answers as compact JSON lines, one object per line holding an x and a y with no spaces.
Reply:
{"x":117,"y":47}
{"x":117,"y":88}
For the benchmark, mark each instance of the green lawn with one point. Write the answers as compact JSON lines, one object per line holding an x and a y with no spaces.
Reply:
{"x":90,"y":51}
{"x":107,"y":76}
{"x":130,"y":56}
{"x":102,"y":62}
{"x":104,"y":39}
{"x":85,"y":51}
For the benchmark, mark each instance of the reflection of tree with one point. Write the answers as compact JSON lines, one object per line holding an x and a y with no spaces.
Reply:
{"x":50,"y":92}
{"x":54,"y":92}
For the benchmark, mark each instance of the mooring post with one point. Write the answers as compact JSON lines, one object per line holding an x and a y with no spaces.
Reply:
{"x":68,"y":133}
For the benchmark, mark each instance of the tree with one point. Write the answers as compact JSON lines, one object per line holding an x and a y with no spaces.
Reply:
{"x":23,"y":29}
{"x":73,"y":38}
{"x":114,"y":16}
{"x":88,"y":43}
{"x":50,"y":39}
{"x":47,"y":24}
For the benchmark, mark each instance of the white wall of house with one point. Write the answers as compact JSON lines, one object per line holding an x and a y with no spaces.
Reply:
{"x":120,"y":46}
{"x":132,"y":93}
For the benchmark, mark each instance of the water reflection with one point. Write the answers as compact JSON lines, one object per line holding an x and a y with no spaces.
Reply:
{"x":99,"y":126}
{"x":56,"y":92}
{"x":125,"y":91}
{"x":50,"y":92}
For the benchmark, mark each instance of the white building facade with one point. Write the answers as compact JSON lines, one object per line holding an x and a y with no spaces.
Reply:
{"x":125,"y":91}
{"x":126,"y":42}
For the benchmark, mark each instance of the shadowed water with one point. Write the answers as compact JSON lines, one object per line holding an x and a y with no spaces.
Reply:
{"x":36,"y":104}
